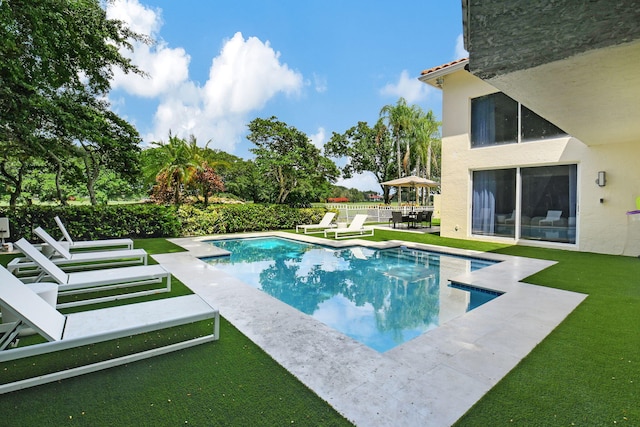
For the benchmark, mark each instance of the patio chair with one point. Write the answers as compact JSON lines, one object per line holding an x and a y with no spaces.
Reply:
{"x":325,"y":222}
{"x":424,"y":216}
{"x":511,"y":219}
{"x":89,"y":327}
{"x":398,"y":218}
{"x":355,"y":227}
{"x":60,"y":255}
{"x":96,"y":280}
{"x":89,"y":244}
{"x":551,"y":218}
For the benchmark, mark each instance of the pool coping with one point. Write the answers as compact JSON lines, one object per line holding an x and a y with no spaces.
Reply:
{"x":431,"y":380}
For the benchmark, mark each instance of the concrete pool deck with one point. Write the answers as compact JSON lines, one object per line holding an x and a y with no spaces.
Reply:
{"x":431,"y":380}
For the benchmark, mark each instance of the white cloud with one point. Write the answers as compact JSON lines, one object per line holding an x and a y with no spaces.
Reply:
{"x":410,"y":88}
{"x":365,"y":181}
{"x":166,"y":67}
{"x":318,"y":138}
{"x":320,"y":83}
{"x":243,"y":77}
{"x":461,"y":52}
{"x":140,"y":19}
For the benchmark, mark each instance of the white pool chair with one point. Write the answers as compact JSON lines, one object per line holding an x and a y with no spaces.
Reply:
{"x":81,"y":282}
{"x":324,"y":223}
{"x":551,"y":218}
{"x":62,"y":257}
{"x":89,"y":244}
{"x":356,"y":227}
{"x":88,"y":327}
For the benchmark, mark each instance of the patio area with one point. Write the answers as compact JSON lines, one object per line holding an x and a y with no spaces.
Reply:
{"x":432,"y":380}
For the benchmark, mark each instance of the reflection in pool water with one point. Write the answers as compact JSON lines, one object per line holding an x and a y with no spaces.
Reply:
{"x":381,"y":298}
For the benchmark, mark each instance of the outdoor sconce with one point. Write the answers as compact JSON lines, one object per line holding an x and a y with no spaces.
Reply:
{"x":602,"y":179}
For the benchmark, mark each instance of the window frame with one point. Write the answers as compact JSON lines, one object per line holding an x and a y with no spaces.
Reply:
{"x":548,"y":236}
{"x":519,"y":125}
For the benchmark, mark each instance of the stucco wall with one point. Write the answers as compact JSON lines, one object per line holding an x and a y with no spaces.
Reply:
{"x":601,"y":227}
{"x":506,"y":36}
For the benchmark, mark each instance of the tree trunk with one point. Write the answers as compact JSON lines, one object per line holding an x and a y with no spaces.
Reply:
{"x":16,"y":181}
{"x":63,"y":200}
{"x":91,"y":179}
{"x":399,"y":168}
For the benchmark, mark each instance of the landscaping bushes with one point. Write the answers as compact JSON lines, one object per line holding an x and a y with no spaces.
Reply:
{"x":150,"y":220}
{"x":217,"y":219}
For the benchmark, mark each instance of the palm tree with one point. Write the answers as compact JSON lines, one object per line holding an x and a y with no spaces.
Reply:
{"x":399,"y":119}
{"x":425,"y":132}
{"x":181,"y":163}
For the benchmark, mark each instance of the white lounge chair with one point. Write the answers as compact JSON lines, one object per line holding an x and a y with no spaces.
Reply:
{"x":88,"y":244}
{"x":88,"y":327}
{"x":355,"y":227}
{"x":324,"y":223}
{"x":551,"y":218}
{"x":96,"y":280}
{"x":60,"y":255}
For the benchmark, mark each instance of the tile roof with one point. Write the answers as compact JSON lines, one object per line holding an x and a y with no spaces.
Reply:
{"x":443,"y":66}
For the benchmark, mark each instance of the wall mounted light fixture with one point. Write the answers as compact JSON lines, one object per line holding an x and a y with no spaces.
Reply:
{"x":602,"y":178}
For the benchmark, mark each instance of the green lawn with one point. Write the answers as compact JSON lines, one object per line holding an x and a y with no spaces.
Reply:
{"x":585,"y":373}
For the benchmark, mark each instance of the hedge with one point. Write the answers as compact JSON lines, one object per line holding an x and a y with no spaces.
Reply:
{"x":149,"y":220}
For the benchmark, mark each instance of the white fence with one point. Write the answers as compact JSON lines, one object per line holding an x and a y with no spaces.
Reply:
{"x":375,"y":213}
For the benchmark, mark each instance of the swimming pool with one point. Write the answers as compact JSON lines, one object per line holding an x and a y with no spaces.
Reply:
{"x":381,"y":298}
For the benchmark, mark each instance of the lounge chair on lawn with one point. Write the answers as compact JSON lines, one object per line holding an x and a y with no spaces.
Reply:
{"x":60,"y":255}
{"x":324,"y":223}
{"x":88,"y":327}
{"x":356,"y":227}
{"x":89,"y":244}
{"x":96,"y":280}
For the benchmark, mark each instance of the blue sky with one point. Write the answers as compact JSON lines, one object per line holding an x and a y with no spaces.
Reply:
{"x":320,"y":66}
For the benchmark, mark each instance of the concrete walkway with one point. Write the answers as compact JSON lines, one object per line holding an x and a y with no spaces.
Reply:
{"x":431,"y":380}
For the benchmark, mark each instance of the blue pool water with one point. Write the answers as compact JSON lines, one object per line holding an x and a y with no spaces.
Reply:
{"x":381,"y":298}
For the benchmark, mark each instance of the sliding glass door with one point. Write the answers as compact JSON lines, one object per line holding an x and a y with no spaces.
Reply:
{"x":549,"y":203}
{"x":494,"y":202}
{"x":545,"y":210}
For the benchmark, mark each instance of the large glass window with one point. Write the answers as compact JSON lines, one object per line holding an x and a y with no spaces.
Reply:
{"x":548,"y":203}
{"x":494,"y":120}
{"x":546,"y":209}
{"x":494,"y":202}
{"x":534,"y":127}
{"x":497,"y":119}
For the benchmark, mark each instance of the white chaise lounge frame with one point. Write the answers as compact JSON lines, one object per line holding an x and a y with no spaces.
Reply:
{"x":355,"y":228}
{"x":88,"y":327}
{"x":89,"y":244}
{"x":81,"y":282}
{"x":325,"y":222}
{"x":61,"y":256}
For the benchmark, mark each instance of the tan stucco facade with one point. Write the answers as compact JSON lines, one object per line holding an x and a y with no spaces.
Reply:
{"x":602,"y":224}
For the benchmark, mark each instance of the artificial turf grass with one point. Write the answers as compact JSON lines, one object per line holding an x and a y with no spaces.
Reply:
{"x":586,"y":372}
{"x":30,"y":367}
{"x":238,"y":385}
{"x":227,"y":382}
{"x":564,"y":380}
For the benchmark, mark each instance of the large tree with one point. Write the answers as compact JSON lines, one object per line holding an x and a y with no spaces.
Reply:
{"x":53,"y":51}
{"x":289,"y":162}
{"x":366,"y":150}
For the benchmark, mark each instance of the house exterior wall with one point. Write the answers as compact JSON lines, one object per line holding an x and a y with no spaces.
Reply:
{"x":601,"y":227}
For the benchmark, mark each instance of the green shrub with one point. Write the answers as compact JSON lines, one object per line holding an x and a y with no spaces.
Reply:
{"x":218,"y":219}
{"x":95,"y":222}
{"x":149,"y":220}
